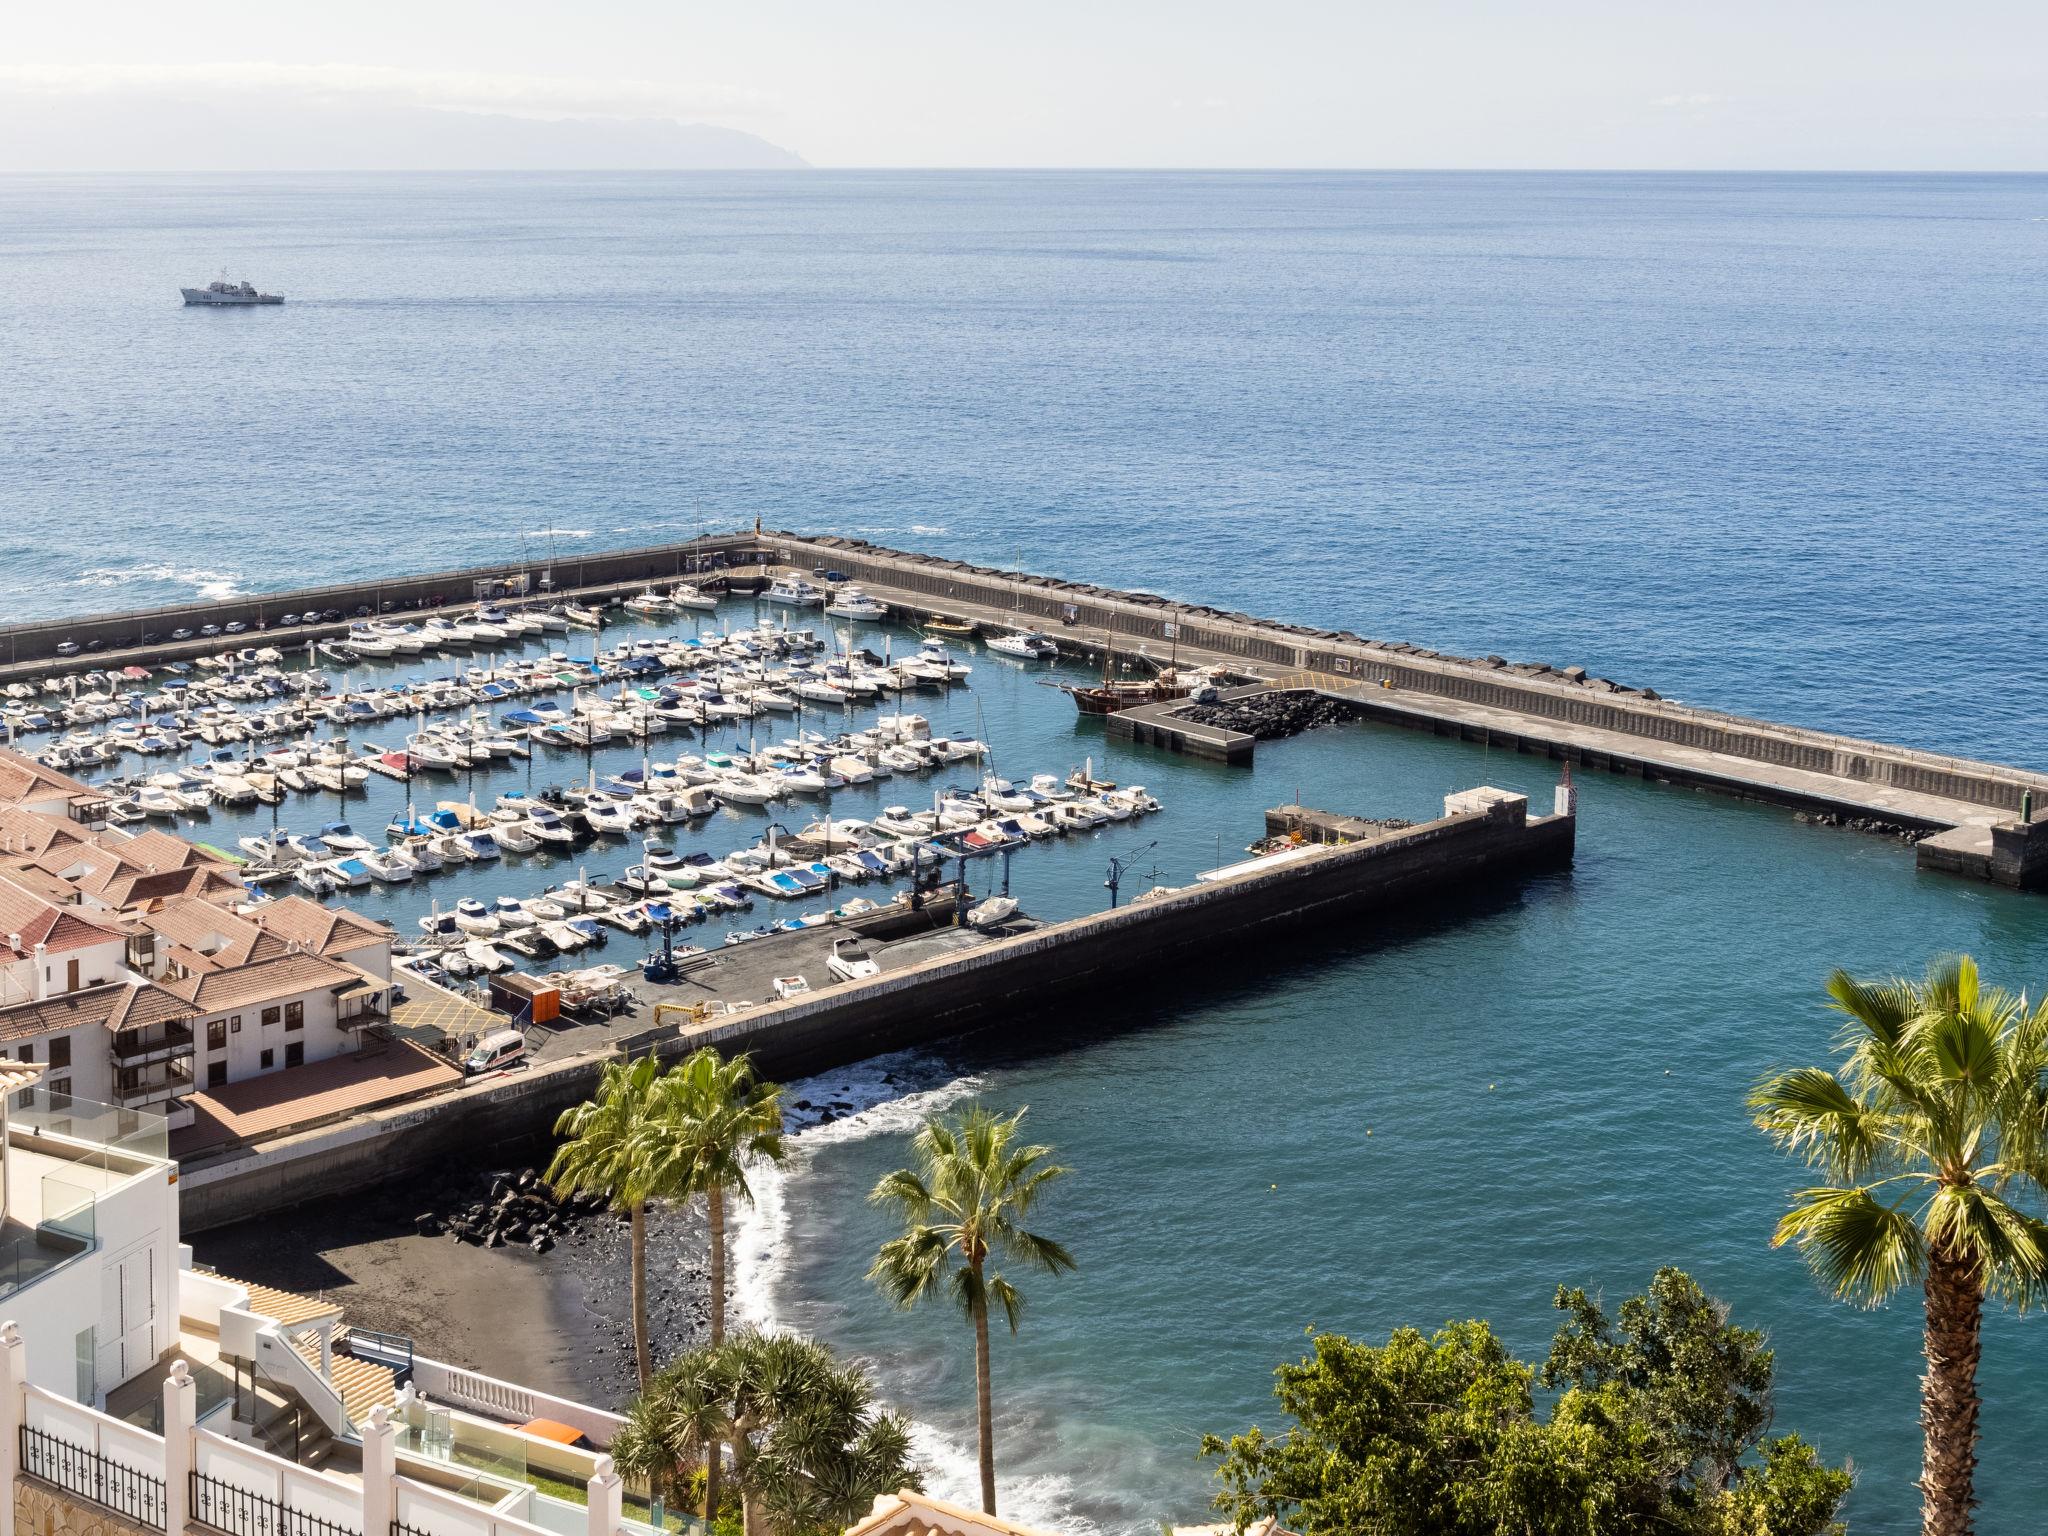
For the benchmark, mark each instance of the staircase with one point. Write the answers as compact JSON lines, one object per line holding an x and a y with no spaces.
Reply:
{"x":363,"y":1384}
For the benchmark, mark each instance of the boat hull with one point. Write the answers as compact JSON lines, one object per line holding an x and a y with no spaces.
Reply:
{"x":208,"y":299}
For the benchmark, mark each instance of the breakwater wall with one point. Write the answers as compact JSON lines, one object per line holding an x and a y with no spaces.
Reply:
{"x":1342,"y":662}
{"x":1090,"y":962}
{"x":35,"y":641}
{"x":1531,"y":706}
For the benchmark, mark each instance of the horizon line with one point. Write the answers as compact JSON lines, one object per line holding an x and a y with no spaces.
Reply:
{"x":1046,"y":170}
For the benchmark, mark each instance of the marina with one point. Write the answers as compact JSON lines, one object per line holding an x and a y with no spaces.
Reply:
{"x":1689,"y":486}
{"x":1971,"y":818}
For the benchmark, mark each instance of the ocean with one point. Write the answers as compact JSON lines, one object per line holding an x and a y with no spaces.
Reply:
{"x":1771,"y":444}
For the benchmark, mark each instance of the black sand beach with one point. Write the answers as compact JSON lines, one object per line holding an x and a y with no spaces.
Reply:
{"x":559,"y":1321}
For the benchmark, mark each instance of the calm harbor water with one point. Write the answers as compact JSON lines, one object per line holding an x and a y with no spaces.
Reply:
{"x":1770,"y":443}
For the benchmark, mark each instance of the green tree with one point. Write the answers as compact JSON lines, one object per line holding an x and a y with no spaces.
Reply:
{"x":1932,"y":1142}
{"x":670,"y":1427}
{"x":811,"y":1450}
{"x":1660,"y":1425}
{"x":715,"y":1120}
{"x":612,"y":1147}
{"x":962,"y":1209}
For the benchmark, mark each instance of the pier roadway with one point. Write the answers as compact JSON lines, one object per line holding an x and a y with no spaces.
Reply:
{"x":729,"y":980}
{"x":1990,"y":821}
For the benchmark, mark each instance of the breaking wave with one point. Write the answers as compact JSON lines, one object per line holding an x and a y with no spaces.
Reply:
{"x":212,"y":586}
{"x":890,"y":1095}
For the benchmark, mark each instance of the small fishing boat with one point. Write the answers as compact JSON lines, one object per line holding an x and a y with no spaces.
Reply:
{"x":995,"y":910}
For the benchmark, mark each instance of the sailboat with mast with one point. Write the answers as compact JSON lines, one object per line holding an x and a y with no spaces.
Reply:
{"x":1115,"y":693}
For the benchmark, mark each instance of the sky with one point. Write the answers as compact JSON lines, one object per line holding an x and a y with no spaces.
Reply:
{"x":1793,"y":84}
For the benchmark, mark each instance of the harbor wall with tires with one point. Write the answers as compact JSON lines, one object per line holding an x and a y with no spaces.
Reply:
{"x":1092,"y":969}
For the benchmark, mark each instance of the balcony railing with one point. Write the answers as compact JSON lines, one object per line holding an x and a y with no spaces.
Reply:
{"x":238,"y":1512}
{"x":174,"y":1079}
{"x":108,"y":1483}
{"x":139,"y":1046}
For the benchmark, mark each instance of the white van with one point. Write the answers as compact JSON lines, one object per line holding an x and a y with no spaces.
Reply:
{"x":500,"y":1048}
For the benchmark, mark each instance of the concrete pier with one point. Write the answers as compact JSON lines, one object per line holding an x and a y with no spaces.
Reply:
{"x":1973,"y":807}
{"x":938,"y":983}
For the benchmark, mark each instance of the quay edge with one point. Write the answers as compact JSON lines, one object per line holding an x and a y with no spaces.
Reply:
{"x":1486,"y":843}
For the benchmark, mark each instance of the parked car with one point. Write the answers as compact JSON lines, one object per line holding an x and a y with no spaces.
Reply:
{"x":67,"y":648}
{"x":238,"y":628}
{"x":95,"y":645}
{"x":209,"y":631}
{"x":332,"y":616}
{"x":150,"y":637}
{"x":181,"y":634}
{"x":290,"y":618}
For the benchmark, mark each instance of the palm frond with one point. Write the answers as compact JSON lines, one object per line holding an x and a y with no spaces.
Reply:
{"x":1810,"y":1111}
{"x":1862,"y":1249}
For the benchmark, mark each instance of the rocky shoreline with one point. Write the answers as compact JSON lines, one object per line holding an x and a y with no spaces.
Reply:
{"x":1271,"y":716}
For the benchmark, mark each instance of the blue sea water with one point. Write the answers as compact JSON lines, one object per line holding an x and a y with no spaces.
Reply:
{"x":1767,"y":443}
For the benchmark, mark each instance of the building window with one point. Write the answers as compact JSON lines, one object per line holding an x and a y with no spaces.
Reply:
{"x":28,"y":1052}
{"x":60,"y":1055}
{"x":294,"y":1015}
{"x":235,"y":1025}
{"x":216,"y":1073}
{"x":295,"y":1053}
{"x":216,"y":1034}
{"x":269,"y":1060}
{"x":60,"y":1088}
{"x":271,"y":1016}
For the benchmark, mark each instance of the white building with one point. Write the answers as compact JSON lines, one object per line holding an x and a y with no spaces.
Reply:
{"x":88,"y":1236}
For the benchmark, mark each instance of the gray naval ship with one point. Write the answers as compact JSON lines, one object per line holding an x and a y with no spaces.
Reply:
{"x":221,"y":291}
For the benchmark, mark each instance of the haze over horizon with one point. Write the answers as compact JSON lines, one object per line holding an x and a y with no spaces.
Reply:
{"x":1582,"y":84}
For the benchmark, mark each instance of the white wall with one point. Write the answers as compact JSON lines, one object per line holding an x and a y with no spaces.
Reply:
{"x":137,"y":1213}
{"x":322,"y":1036}
{"x":19,"y":979}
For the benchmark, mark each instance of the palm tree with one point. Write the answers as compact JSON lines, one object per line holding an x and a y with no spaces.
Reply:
{"x":715,"y":1118}
{"x":1933,"y":1141}
{"x":811,"y":1452}
{"x":961,"y":1208}
{"x":672,"y":1424}
{"x":610,"y":1148}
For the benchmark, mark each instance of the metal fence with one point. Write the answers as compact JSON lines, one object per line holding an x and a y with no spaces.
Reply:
{"x":122,"y":1489}
{"x":238,"y":1512}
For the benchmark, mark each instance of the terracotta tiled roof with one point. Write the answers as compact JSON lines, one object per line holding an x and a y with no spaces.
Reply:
{"x":284,"y":1307}
{"x":127,"y":887}
{"x":323,"y":930}
{"x":114,"y":1005}
{"x":35,"y":919}
{"x":266,"y":981}
{"x":154,"y":849}
{"x":210,"y":929}
{"x":34,"y":833}
{"x":22,"y":778}
{"x":914,"y":1514}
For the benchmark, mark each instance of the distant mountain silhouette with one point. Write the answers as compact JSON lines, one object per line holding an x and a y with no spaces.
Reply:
{"x":274,"y":133}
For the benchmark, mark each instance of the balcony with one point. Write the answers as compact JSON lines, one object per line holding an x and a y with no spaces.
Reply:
{"x":138,"y":1047}
{"x":137,"y":1085}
